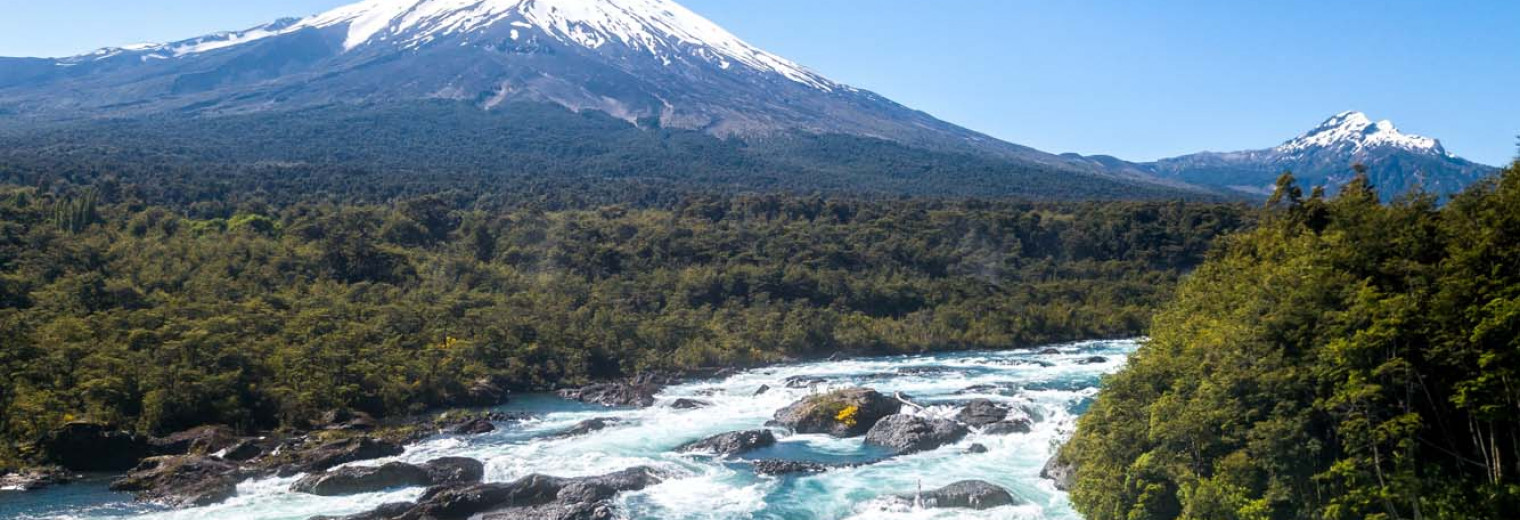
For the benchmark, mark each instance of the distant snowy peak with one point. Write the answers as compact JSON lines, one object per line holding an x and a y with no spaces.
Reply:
{"x":662,"y":28}
{"x":1354,"y":132}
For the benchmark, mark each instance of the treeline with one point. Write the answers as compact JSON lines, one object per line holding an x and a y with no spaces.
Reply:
{"x":259,"y":315}
{"x":1345,"y":360}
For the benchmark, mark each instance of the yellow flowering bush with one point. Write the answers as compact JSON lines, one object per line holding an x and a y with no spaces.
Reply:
{"x":847,"y":415}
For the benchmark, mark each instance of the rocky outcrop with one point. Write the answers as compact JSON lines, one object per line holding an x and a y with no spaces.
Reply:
{"x":911,"y":434}
{"x":85,"y":446}
{"x":976,"y":449}
{"x":1050,"y":352}
{"x":587,"y":426}
{"x":966,"y":494}
{"x":763,"y":389}
{"x":1093,"y":360}
{"x":35,"y":478}
{"x":473,"y":427}
{"x":354,"y":480}
{"x":390,"y":511}
{"x":182,"y":480}
{"x":324,"y":456}
{"x":348,"y":420}
{"x":637,"y":392}
{"x":203,"y":440}
{"x":1008,"y":427}
{"x":689,"y":404}
{"x":982,"y":412}
{"x":1064,"y":474}
{"x":536,"y":497}
{"x":732,"y":443}
{"x":842,"y":413}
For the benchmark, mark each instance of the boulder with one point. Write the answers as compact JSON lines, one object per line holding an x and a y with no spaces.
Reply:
{"x":243,"y":451}
{"x":389,"y":511}
{"x":473,"y":427}
{"x":732,"y":443}
{"x":36,"y":478}
{"x":966,"y":494}
{"x":924,"y":371}
{"x":534,"y":496}
{"x":763,"y":389}
{"x":1064,"y":474}
{"x":587,"y":426}
{"x":348,"y":420}
{"x":85,"y":446}
{"x":982,"y":412}
{"x":689,"y":404}
{"x":911,"y":434}
{"x":804,"y":381}
{"x":353,"y":480}
{"x":788,"y":467}
{"x":1093,"y":360}
{"x":975,"y":449}
{"x":638,"y":392}
{"x":842,"y":413}
{"x":328,"y":455}
{"x":1050,"y":352}
{"x":182,"y":480}
{"x":1008,"y":427}
{"x":203,"y":440}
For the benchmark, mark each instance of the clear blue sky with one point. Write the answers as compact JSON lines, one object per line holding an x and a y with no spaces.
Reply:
{"x":1139,"y":80}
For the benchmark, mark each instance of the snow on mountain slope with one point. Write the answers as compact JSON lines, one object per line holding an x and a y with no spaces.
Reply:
{"x":660,"y":27}
{"x":1355,"y":131}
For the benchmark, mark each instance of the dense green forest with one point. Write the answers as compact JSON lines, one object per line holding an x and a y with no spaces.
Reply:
{"x":354,"y":151}
{"x":157,"y":306}
{"x":1344,"y":360}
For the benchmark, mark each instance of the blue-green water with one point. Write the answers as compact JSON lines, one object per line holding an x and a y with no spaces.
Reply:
{"x":1055,"y":386}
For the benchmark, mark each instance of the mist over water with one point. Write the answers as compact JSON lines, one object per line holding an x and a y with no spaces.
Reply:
{"x":1054,"y":388}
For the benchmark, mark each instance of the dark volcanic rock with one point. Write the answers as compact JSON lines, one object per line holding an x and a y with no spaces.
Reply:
{"x":182,"y":480}
{"x":1093,"y":360}
{"x":911,"y":434}
{"x":389,"y":511}
{"x":1062,"y":473}
{"x":689,"y":404}
{"x":637,"y":392}
{"x":202,"y":440}
{"x":473,"y":427}
{"x":534,"y":496}
{"x":348,"y":420}
{"x":763,"y":389}
{"x":732,"y":443}
{"x":83,"y":446}
{"x":352,"y":480}
{"x":924,"y":371}
{"x":1050,"y":352}
{"x":243,"y":451}
{"x":788,"y":467}
{"x":822,"y":413}
{"x":335,"y":453}
{"x":36,"y":478}
{"x":1008,"y":427}
{"x":804,"y":381}
{"x":587,"y":426}
{"x":966,"y":494}
{"x":976,"y":448}
{"x":981,"y":412}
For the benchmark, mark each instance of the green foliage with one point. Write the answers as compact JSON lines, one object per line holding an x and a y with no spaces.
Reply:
{"x":1345,"y":360}
{"x":162,"y":317}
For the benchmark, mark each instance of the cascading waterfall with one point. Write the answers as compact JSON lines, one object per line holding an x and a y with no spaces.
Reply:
{"x":1054,"y":388}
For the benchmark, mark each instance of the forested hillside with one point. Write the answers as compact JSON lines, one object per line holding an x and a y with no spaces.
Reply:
{"x":1345,"y":360}
{"x":158,"y":307}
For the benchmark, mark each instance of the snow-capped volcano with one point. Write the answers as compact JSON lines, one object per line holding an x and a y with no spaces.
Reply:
{"x":1397,"y":161}
{"x":1353,"y":132}
{"x":666,"y":30}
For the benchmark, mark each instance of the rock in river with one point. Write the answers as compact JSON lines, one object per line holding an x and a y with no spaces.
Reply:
{"x":982,"y":412}
{"x":842,"y":413}
{"x":182,"y":480}
{"x":732,"y":443}
{"x":355,"y":480}
{"x":966,"y":494}
{"x":911,"y":434}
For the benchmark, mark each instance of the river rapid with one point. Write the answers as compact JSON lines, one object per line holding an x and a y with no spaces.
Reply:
{"x":1055,"y":387}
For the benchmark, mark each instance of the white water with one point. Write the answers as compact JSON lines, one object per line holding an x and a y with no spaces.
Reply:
{"x":705,"y":488}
